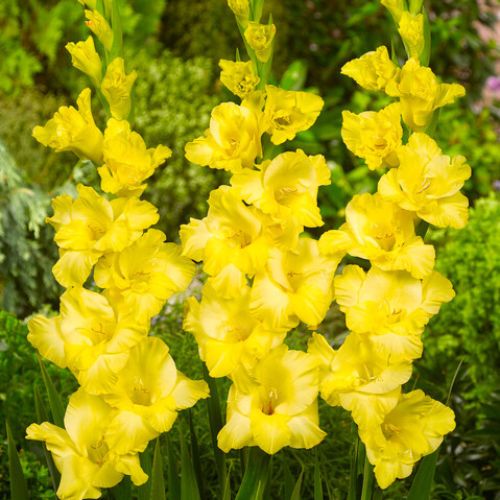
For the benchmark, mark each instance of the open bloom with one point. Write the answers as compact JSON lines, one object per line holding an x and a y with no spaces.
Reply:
{"x":233,"y":140}
{"x":358,"y":377}
{"x":260,"y":38}
{"x":231,"y":233}
{"x":288,"y":112}
{"x":373,"y":70}
{"x":145,"y":274}
{"x":286,"y":187}
{"x":391,"y":307}
{"x":381,"y":232}
{"x":414,"y":427}
{"x":127,"y":161}
{"x":91,"y":226}
{"x":239,"y":77}
{"x":420,"y":93}
{"x":81,"y":452}
{"x":276,"y":406}
{"x":148,"y":391}
{"x":89,"y":336}
{"x":229,"y":336}
{"x":73,"y":130}
{"x":116,"y":87}
{"x":374,"y":136}
{"x":428,"y":183}
{"x":295,"y":285}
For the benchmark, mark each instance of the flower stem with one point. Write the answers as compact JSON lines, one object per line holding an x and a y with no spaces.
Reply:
{"x":367,"y":489}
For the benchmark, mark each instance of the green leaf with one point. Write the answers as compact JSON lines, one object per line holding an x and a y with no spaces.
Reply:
{"x":56,"y":407}
{"x":298,"y":486}
{"x":157,"y":480}
{"x":189,"y":484}
{"x":144,"y":491}
{"x":294,"y":77}
{"x":256,"y":473}
{"x":318,"y":483}
{"x":195,"y":454}
{"x":422,"y":483}
{"x":123,"y":490}
{"x":215,"y":421}
{"x":288,"y":483}
{"x":42,"y":416}
{"x":18,"y":486}
{"x":174,"y":487}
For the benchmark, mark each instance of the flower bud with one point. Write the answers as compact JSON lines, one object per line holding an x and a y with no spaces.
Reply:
{"x":260,"y":38}
{"x":116,"y":87}
{"x":100,"y":27}
{"x":85,"y":58}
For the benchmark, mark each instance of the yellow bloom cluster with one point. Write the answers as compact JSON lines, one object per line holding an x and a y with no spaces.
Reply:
{"x":264,"y":277}
{"x":388,"y":306}
{"x":130,"y":388}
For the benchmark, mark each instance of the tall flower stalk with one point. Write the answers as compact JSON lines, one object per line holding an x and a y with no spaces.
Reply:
{"x":117,"y":273}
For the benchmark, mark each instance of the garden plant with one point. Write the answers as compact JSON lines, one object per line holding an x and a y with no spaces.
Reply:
{"x":254,"y":283}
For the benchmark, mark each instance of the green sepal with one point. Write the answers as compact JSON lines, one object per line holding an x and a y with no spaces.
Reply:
{"x":416,"y":6}
{"x":116,"y":26}
{"x":425,"y":56}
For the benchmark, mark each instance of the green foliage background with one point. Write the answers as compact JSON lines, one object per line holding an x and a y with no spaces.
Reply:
{"x":175,"y":46}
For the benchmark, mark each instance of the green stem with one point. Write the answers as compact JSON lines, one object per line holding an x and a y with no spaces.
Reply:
{"x":256,"y":474}
{"x":367,"y":489}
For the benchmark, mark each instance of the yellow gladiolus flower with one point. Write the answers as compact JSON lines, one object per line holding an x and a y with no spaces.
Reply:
{"x":415,"y":427}
{"x":359,"y":378}
{"x":277,"y":408}
{"x":373,"y":70}
{"x":260,"y":38}
{"x":232,"y":142}
{"x":241,"y":8}
{"x":73,"y":130}
{"x":428,"y":183}
{"x":90,"y":226}
{"x":286,"y":187}
{"x":85,"y":58}
{"x":231,"y":233}
{"x":89,"y":336}
{"x":229,"y":337}
{"x":116,"y":88}
{"x":148,"y":391}
{"x":239,"y":77}
{"x":375,"y":137}
{"x":380,"y":231}
{"x":411,"y":29}
{"x":145,"y":274}
{"x":392,"y":307}
{"x":127,"y":161}
{"x":395,"y":7}
{"x":288,"y":112}
{"x":82,"y":453}
{"x":100,"y":27}
{"x":420,"y":94}
{"x":296,"y":285}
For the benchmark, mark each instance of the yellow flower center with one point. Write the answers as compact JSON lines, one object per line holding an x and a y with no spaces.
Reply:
{"x":270,"y":402}
{"x":97,"y":451}
{"x":140,"y":395}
